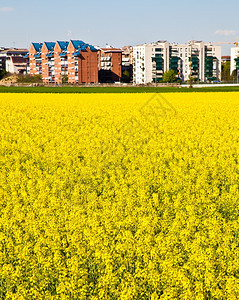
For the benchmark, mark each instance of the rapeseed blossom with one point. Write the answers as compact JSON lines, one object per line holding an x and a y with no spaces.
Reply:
{"x":111,"y":196}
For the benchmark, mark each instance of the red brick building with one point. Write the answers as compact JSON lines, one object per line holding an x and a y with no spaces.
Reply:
{"x":74,"y":61}
{"x":35,"y":65}
{"x":127,"y":64}
{"x":61,"y":64}
{"x":47,"y":61}
{"x":82,"y":63}
{"x":110,"y":65}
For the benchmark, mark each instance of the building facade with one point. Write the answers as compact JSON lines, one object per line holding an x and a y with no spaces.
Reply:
{"x":127,"y":63}
{"x":74,"y":62}
{"x":82,"y":63}
{"x":6,"y":56}
{"x":110,"y":65}
{"x":192,"y":60}
{"x":60,"y":62}
{"x":150,"y":61}
{"x":16,"y":65}
{"x":34,"y":59}
{"x":235,"y":60}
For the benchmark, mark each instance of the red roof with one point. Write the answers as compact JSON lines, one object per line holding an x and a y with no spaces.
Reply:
{"x":111,"y":49}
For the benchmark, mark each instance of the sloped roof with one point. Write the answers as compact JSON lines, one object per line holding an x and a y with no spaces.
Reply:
{"x":50,"y":45}
{"x":63,"y":53}
{"x":80,"y":45}
{"x":77,"y":44}
{"x":50,"y":54}
{"x":37,"y":46}
{"x":63,"y":45}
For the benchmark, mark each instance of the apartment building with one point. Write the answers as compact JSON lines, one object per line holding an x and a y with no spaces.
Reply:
{"x":235,"y":59}
{"x":194,"y":59}
{"x":2,"y":59}
{"x":60,"y":62}
{"x":48,"y":62}
{"x":75,"y":60}
{"x":110,"y":64}
{"x":82,"y":63}
{"x":6,"y":55}
{"x":17,"y":65}
{"x":213,"y":62}
{"x":34,"y":58}
{"x":150,"y":61}
{"x":127,"y":61}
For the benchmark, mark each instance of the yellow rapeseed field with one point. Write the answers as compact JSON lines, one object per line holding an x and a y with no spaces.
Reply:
{"x":119,"y":196}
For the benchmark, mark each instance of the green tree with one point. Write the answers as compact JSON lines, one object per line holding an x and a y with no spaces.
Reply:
{"x":169,"y":76}
{"x":126,"y":76}
{"x":64,"y":79}
{"x":191,"y":81}
{"x":226,"y":71}
{"x":2,"y":73}
{"x":233,"y":76}
{"x":29,"y":79}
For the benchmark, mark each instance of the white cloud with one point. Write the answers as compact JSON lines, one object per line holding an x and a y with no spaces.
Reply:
{"x":225,"y":32}
{"x":6,"y":9}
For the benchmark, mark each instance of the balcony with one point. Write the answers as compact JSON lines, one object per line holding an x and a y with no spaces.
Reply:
{"x":126,"y":64}
{"x":105,"y":58}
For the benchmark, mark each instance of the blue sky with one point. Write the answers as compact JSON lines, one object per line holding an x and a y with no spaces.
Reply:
{"x":118,"y":23}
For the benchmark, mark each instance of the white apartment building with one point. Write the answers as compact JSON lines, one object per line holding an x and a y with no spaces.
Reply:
{"x":213,"y":62}
{"x":187,"y":60}
{"x":194,"y":59}
{"x":150,"y":61}
{"x":234,"y":59}
{"x":16,"y":64}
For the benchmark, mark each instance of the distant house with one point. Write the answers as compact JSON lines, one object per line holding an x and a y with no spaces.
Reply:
{"x":127,"y":61}
{"x":6,"y":54}
{"x":16,"y":64}
{"x":110,"y":65}
{"x":225,"y":59}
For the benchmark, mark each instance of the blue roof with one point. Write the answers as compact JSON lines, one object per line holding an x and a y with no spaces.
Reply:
{"x":37,"y":55}
{"x":50,"y":45}
{"x":26,"y":56}
{"x":92,"y":48}
{"x":77,"y":44}
{"x":63,"y":53}
{"x":50,"y":54}
{"x":37,"y":46}
{"x":80,"y":45}
{"x":63,"y":45}
{"x":76,"y":53}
